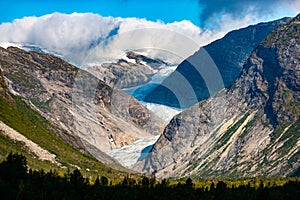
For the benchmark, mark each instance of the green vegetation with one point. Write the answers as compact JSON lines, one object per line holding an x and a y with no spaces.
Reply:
{"x":221,"y":142}
{"x":290,"y":137}
{"x":249,"y":126}
{"x":284,"y":34}
{"x":32,"y":125}
{"x":41,"y":105}
{"x":226,"y":136}
{"x":17,"y":182}
{"x":8,"y":145}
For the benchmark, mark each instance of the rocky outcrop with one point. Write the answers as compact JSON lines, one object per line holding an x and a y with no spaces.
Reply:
{"x":251,"y":129}
{"x":123,"y":74}
{"x":134,"y":71}
{"x":90,"y":115}
{"x":4,"y":91}
{"x":3,"y":87}
{"x":140,"y":59}
{"x":34,"y":148}
{"x":213,"y":67}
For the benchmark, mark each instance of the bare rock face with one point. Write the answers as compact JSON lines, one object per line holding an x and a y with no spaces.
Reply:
{"x":91,"y":115}
{"x":251,"y":129}
{"x":3,"y":87}
{"x":124,"y":74}
{"x":140,"y":59}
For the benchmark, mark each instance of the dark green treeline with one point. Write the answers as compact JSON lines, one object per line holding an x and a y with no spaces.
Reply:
{"x":17,"y":182}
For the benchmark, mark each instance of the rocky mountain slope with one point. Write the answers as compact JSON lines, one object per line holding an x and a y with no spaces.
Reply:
{"x":212,"y":68}
{"x":24,"y":131}
{"x":132,"y":71}
{"x":41,"y":154}
{"x":89,"y":114}
{"x":251,"y":129}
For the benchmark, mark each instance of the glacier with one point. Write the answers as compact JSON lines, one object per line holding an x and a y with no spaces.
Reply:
{"x":130,"y":154}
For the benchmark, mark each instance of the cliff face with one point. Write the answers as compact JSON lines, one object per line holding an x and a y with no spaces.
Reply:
{"x":3,"y":87}
{"x":250,"y":129}
{"x":212,"y":68}
{"x":90,"y":114}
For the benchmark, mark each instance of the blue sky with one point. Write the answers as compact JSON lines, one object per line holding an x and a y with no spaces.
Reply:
{"x":164,"y":10}
{"x":200,"y":12}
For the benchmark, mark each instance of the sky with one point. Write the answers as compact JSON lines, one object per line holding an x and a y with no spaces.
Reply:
{"x":164,"y":10}
{"x":198,"y":12}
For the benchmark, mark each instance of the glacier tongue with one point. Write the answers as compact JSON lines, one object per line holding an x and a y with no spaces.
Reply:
{"x":139,"y":92}
{"x":164,"y":112}
{"x":130,"y":154}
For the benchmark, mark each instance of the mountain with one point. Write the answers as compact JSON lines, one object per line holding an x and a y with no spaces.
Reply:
{"x":251,"y":129}
{"x":23,"y":130}
{"x":211,"y":68}
{"x":133,"y":70}
{"x":89,"y":115}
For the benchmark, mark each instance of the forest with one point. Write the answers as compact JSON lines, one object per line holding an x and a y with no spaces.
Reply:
{"x":19,"y":182}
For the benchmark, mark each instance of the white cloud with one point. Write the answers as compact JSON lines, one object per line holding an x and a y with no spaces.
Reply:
{"x":171,"y":42}
{"x":75,"y":36}
{"x":60,"y":33}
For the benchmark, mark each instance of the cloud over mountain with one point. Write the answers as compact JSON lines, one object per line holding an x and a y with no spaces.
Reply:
{"x":77,"y":37}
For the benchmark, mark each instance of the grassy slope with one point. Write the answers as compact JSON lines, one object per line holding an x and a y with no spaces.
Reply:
{"x":31,"y":124}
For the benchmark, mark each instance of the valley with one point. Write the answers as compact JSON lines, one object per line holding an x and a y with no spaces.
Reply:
{"x":227,"y":111}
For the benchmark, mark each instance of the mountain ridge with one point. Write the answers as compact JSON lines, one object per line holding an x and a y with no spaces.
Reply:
{"x":91,"y":116}
{"x":250,"y":129}
{"x":25,"y":131}
{"x":220,"y":62}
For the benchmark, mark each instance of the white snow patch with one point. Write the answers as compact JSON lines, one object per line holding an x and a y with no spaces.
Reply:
{"x":146,"y":64}
{"x":124,"y":57}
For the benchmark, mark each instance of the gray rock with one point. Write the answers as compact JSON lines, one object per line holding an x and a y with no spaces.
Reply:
{"x":251,"y":129}
{"x":89,"y":114}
